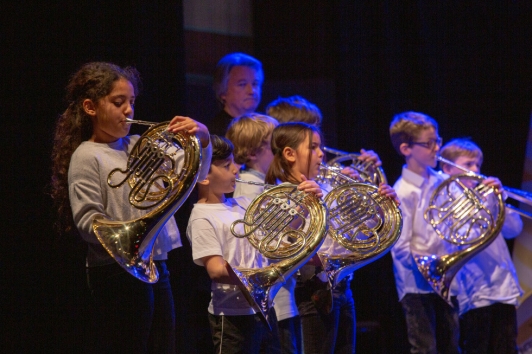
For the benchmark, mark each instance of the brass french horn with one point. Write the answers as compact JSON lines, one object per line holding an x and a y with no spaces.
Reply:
{"x":285,"y":225}
{"x":365,"y":223}
{"x":468,"y":215}
{"x":367,"y":170}
{"x":156,"y":185}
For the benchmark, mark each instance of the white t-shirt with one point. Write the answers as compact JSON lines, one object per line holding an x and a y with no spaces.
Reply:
{"x":210,"y":235}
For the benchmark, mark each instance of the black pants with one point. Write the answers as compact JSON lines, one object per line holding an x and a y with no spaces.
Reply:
{"x":131,"y":316}
{"x":245,"y":334}
{"x":490,"y":329}
{"x":432,"y":324}
{"x":333,"y":332}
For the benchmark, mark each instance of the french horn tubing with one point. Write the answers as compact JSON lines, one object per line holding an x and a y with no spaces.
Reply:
{"x":519,"y":195}
{"x":468,"y":215}
{"x":365,"y":223}
{"x":155,"y":184}
{"x":367,"y":169}
{"x":285,"y":225}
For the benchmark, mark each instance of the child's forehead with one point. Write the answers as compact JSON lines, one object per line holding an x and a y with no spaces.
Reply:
{"x":426,"y":131}
{"x":467,"y":156}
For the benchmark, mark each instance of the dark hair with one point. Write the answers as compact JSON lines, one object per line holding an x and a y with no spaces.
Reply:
{"x":92,"y":81}
{"x":288,"y":135}
{"x":224,"y":66}
{"x":222,"y":148}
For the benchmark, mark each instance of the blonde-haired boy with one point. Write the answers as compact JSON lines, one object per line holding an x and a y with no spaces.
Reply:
{"x":487,"y":283}
{"x":251,"y":136}
{"x":432,"y":324}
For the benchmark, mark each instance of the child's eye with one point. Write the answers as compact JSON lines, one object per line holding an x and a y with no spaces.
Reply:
{"x":118,"y":103}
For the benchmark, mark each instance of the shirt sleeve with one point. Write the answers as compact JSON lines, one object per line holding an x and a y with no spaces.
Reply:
{"x":85,"y":197}
{"x":204,"y":240}
{"x":401,"y":249}
{"x":513,"y":225}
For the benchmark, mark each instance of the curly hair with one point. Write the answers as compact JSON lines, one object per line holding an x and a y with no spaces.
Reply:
{"x":93,"y":81}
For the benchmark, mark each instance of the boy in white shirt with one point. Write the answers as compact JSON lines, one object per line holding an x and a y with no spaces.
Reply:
{"x":432,"y":324}
{"x":488,"y":284}
{"x":235,"y":326}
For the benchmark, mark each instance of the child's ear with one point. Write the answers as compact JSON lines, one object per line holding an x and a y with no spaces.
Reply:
{"x":446,"y":168}
{"x":205,"y":182}
{"x":252,"y":156}
{"x":405,"y":149}
{"x":289,"y":154}
{"x":89,"y":107}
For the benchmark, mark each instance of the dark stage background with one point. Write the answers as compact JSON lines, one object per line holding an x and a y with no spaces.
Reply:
{"x":467,"y":64}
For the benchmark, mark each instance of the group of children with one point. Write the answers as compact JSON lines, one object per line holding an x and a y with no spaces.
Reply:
{"x":283,"y":146}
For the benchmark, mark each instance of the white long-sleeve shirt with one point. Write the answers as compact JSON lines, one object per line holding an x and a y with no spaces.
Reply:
{"x":490,"y":276}
{"x":414,"y":192}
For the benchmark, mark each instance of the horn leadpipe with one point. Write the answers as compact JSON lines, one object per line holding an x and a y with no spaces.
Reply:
{"x":519,"y":195}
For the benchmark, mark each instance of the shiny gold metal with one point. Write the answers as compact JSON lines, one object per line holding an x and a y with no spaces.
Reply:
{"x":155,"y":185}
{"x":367,"y":170}
{"x":519,"y":195}
{"x":361,"y":220}
{"x":286,"y":226}
{"x":468,"y":215}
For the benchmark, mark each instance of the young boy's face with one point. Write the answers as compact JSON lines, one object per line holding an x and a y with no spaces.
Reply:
{"x":471,"y":163}
{"x":423,"y":151}
{"x":222,"y":176}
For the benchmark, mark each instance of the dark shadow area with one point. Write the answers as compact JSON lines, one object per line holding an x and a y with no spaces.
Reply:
{"x":468,"y":66}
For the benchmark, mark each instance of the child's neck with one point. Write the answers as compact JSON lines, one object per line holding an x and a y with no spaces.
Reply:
{"x":256,"y":167}
{"x":206,"y":196}
{"x":417,"y":168}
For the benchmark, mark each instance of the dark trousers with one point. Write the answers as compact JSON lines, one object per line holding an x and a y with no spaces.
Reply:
{"x":333,"y":332}
{"x":131,"y":316}
{"x":290,"y":335}
{"x":490,"y":329}
{"x":243,"y":335}
{"x":432,"y":324}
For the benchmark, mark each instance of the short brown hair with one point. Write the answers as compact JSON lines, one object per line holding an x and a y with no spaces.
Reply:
{"x":248,"y":134}
{"x":407,"y":126}
{"x":294,"y":109}
{"x":460,"y":147}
